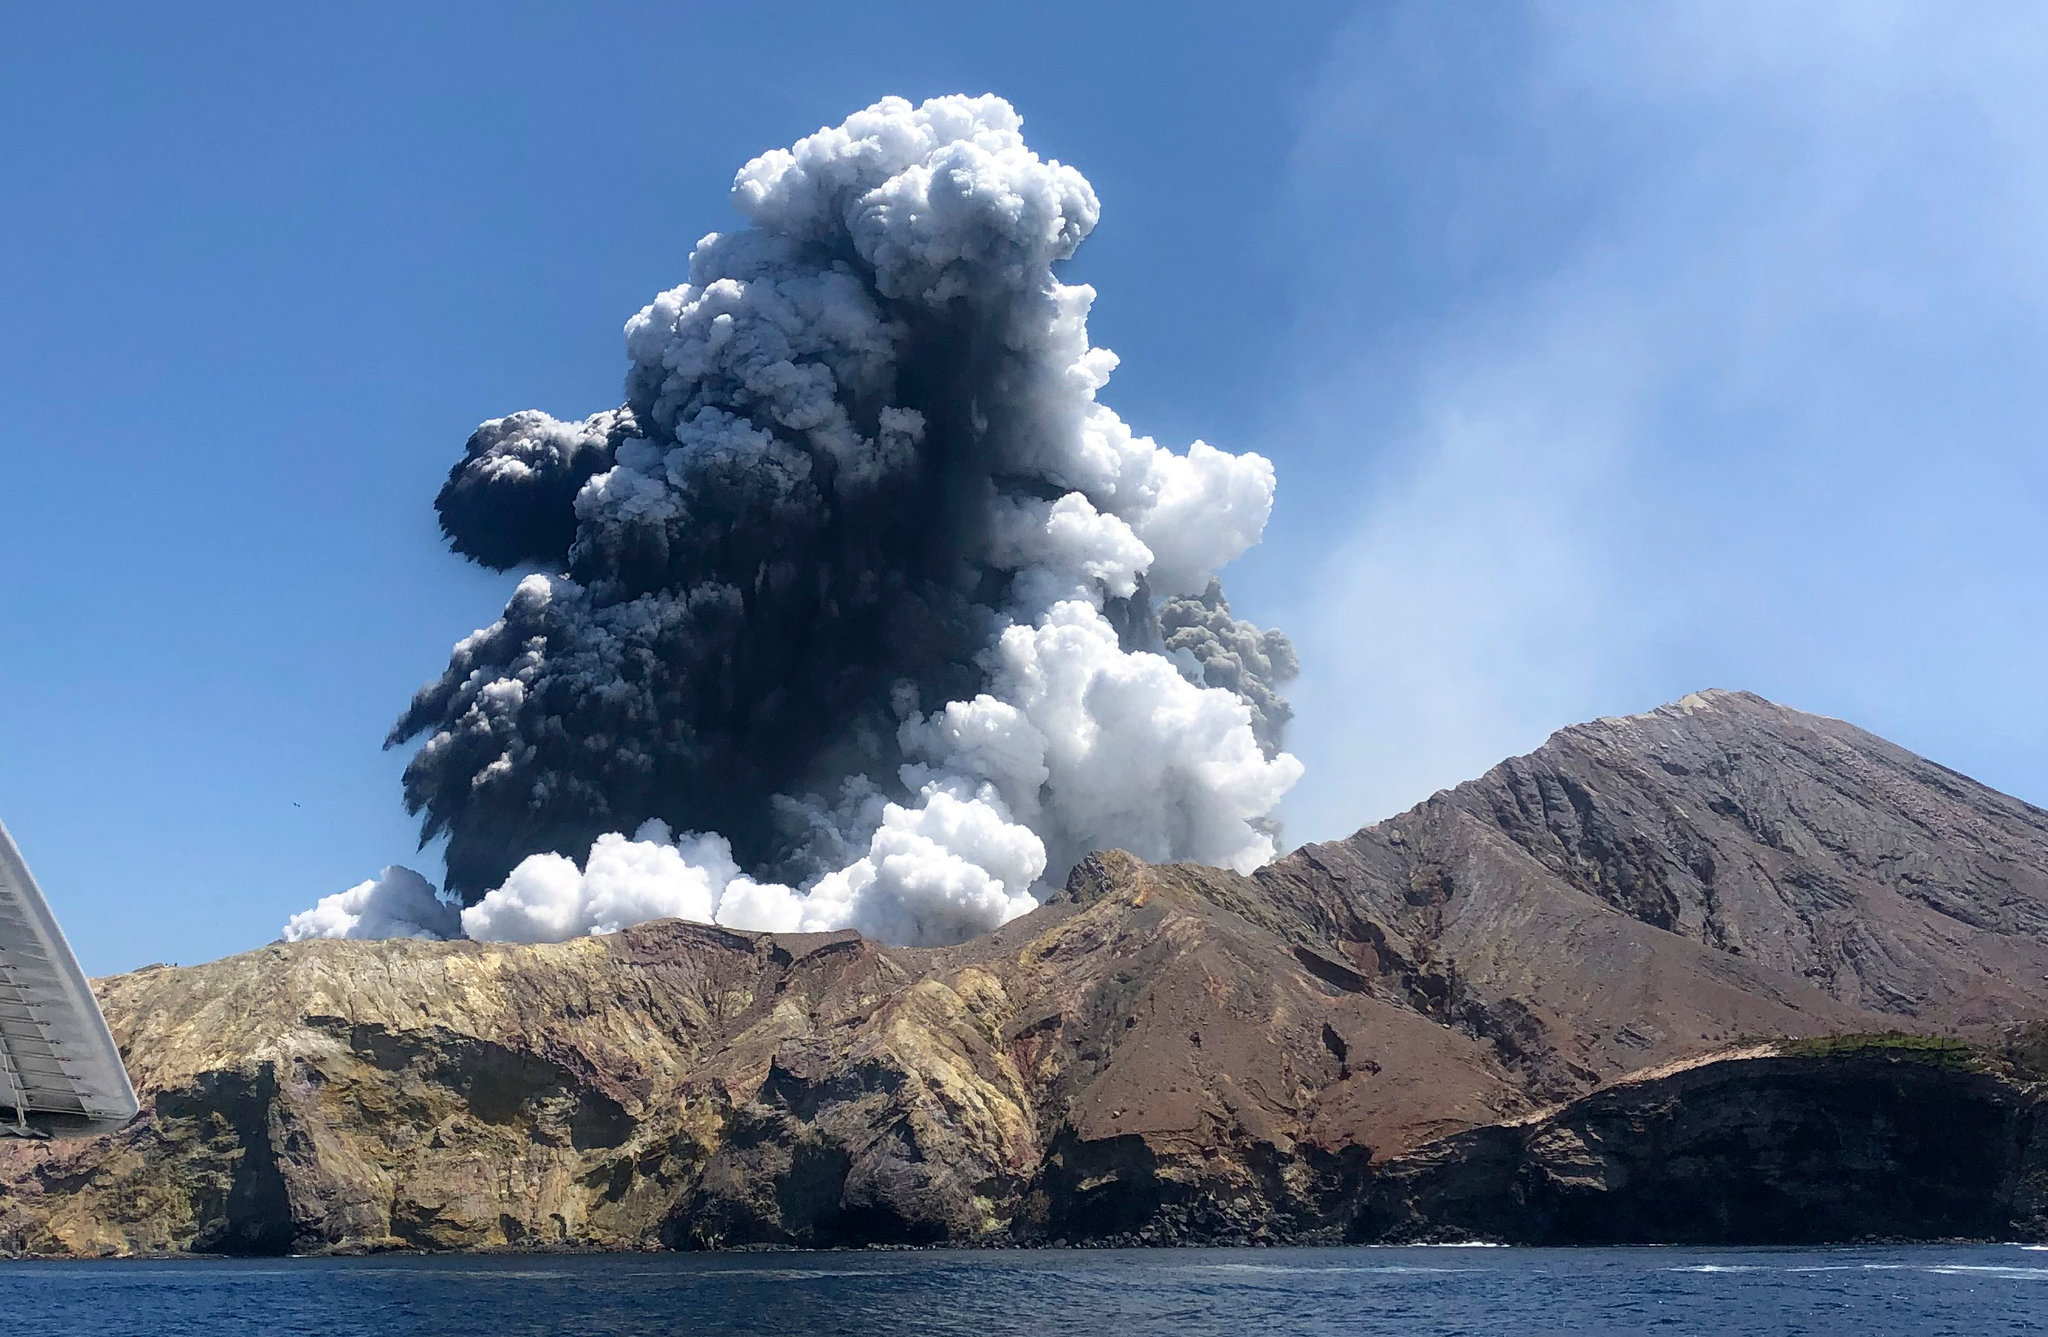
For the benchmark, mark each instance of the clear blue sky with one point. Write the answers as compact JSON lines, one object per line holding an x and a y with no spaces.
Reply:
{"x":1604,"y":353}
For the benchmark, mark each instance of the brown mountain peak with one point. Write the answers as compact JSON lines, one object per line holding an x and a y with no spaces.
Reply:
{"x":1644,"y":864}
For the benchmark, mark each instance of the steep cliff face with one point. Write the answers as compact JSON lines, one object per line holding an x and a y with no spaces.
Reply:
{"x":1354,"y":1040}
{"x":1876,"y":1139}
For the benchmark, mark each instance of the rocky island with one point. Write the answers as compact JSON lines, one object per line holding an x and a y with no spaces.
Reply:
{"x":1599,"y":994}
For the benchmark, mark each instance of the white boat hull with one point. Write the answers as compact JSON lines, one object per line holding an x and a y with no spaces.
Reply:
{"x":60,"y":1072}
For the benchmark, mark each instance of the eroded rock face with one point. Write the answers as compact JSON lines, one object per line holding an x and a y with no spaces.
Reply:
{"x":1869,"y":1142}
{"x":1164,"y":1053}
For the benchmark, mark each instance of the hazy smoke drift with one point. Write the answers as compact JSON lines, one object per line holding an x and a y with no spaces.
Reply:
{"x":861,"y":578}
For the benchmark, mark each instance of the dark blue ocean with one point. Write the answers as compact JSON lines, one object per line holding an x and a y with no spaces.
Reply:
{"x":1889,"y":1292}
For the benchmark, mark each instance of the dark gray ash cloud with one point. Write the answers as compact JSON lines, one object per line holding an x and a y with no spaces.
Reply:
{"x":861,"y":591}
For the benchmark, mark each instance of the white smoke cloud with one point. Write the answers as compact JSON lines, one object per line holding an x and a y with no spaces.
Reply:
{"x":1081,"y":738}
{"x":941,"y":871}
{"x":1098,"y":747}
{"x":623,"y":882}
{"x":953,"y":866}
{"x":397,"y":903}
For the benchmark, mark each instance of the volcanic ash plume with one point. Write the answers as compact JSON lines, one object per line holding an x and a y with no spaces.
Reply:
{"x":861,"y":590}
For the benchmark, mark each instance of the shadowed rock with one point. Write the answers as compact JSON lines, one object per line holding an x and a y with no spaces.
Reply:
{"x":1880,"y":1139}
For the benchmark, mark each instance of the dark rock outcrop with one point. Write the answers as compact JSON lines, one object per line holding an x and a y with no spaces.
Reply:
{"x":1874,"y":1140}
{"x":1358,"y":1040}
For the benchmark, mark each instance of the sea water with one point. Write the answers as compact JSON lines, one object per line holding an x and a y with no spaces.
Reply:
{"x":1967,"y":1291}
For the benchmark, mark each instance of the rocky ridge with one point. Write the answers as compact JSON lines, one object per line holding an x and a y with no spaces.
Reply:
{"x":1354,"y":1042}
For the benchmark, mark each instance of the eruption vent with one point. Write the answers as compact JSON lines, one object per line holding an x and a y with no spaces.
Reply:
{"x":861,"y":590}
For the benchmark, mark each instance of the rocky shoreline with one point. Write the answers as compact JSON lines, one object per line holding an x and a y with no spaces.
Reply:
{"x":1917,"y":1142}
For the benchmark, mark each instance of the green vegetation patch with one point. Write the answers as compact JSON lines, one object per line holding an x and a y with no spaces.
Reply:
{"x":2026,"y":1049}
{"x":1941,"y":1050}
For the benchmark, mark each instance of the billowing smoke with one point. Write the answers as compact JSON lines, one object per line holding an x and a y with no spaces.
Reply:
{"x":1224,"y":652}
{"x":861,"y":590}
{"x":397,"y":903}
